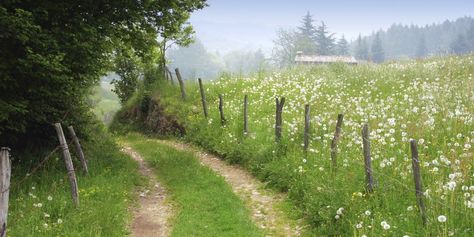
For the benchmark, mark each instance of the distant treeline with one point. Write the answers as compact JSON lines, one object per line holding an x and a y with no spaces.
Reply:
{"x":412,"y":41}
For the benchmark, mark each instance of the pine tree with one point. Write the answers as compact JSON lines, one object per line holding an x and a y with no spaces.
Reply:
{"x":307,"y":28}
{"x":306,"y":35}
{"x":421,"y":50}
{"x":362,"y":50}
{"x":342,"y":46}
{"x":324,"y":40}
{"x":470,"y":37}
{"x":460,"y":45}
{"x":378,"y":54}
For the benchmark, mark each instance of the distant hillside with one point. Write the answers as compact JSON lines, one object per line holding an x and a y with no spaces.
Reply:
{"x":403,"y":41}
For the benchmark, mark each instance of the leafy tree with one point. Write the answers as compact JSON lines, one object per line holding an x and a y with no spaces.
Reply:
{"x":126,"y":65}
{"x":460,"y":45}
{"x":285,"y":47}
{"x":342,"y":47}
{"x":470,"y":37}
{"x":324,"y":40}
{"x":361,"y":49}
{"x":52,"y":52}
{"x":421,"y":50}
{"x":378,"y":54}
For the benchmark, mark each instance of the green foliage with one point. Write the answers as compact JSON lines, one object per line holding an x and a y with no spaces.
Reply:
{"x":342,"y":47}
{"x":42,"y":205}
{"x":206,"y":205}
{"x":52,"y":53}
{"x":426,"y":100}
{"x":128,"y":68}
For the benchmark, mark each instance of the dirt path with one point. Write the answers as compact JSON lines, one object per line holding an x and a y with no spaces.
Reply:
{"x":151,"y":217}
{"x":262,"y":203}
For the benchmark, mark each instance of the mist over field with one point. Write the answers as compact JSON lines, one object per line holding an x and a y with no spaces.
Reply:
{"x":252,"y":33}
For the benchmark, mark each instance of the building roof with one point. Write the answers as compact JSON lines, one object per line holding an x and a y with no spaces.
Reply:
{"x":301,"y":58}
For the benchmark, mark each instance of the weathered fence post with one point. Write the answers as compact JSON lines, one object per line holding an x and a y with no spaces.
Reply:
{"x":278,"y":118}
{"x":68,"y":161}
{"x":337,"y":135}
{"x":221,"y":109}
{"x":79,"y":151}
{"x":306,"y":128}
{"x":5,"y":174}
{"x":367,"y":159}
{"x":246,"y":128}
{"x":181,"y":83}
{"x":417,"y":177}
{"x":203,"y":98}
{"x":169,"y":75}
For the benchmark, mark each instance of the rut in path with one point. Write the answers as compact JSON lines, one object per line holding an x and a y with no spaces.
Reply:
{"x":151,"y":217}
{"x":260,"y":202}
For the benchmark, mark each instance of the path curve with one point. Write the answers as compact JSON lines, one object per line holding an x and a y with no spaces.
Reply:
{"x":260,"y":202}
{"x":150,"y":219}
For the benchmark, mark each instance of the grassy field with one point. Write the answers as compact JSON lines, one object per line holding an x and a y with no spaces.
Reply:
{"x":430,"y":101}
{"x":41,"y":205}
{"x":206,"y":205}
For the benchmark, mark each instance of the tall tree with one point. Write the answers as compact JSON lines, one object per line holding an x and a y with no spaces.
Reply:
{"x":378,"y":54}
{"x":421,"y":49}
{"x":306,"y":35}
{"x":460,"y":45}
{"x":324,"y":40}
{"x":342,"y":47}
{"x":361,"y":49}
{"x":470,"y":37}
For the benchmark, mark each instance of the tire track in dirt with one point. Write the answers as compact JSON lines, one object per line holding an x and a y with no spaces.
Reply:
{"x":261,"y":203}
{"x":151,"y":217}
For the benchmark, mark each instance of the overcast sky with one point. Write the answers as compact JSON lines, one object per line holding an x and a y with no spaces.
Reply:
{"x":250,"y":24}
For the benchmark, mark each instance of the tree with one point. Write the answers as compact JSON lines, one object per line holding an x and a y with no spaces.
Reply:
{"x":53,"y":52}
{"x":460,"y":45}
{"x":324,"y":40}
{"x":307,"y":35}
{"x":361,"y":49}
{"x":421,"y":50}
{"x":342,"y":47}
{"x":285,"y":47}
{"x":126,"y":65}
{"x":378,"y":54}
{"x":470,"y":37}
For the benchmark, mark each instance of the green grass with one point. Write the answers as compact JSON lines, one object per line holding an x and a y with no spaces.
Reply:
{"x":429,"y":100}
{"x":42,"y":205}
{"x":105,"y":102}
{"x":205,"y":202}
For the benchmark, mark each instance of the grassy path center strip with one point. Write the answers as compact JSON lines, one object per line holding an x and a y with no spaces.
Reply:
{"x":205,"y":203}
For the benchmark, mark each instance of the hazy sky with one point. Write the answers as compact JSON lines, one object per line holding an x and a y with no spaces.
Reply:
{"x":250,"y":24}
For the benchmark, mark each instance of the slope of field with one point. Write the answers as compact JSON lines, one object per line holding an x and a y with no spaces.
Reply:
{"x":430,"y":101}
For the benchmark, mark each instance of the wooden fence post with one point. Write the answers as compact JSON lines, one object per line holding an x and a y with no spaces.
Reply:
{"x":337,"y":135}
{"x":367,"y":159}
{"x":69,"y":165}
{"x":181,"y":83}
{"x":79,"y":151}
{"x":246,"y":128}
{"x":417,"y":177}
{"x":278,"y":118}
{"x":5,"y":174}
{"x":306,"y":127}
{"x":221,"y":110}
{"x":169,"y":75}
{"x":203,"y":98}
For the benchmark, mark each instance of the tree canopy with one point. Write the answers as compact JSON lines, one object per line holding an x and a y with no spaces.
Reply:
{"x":52,"y":52}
